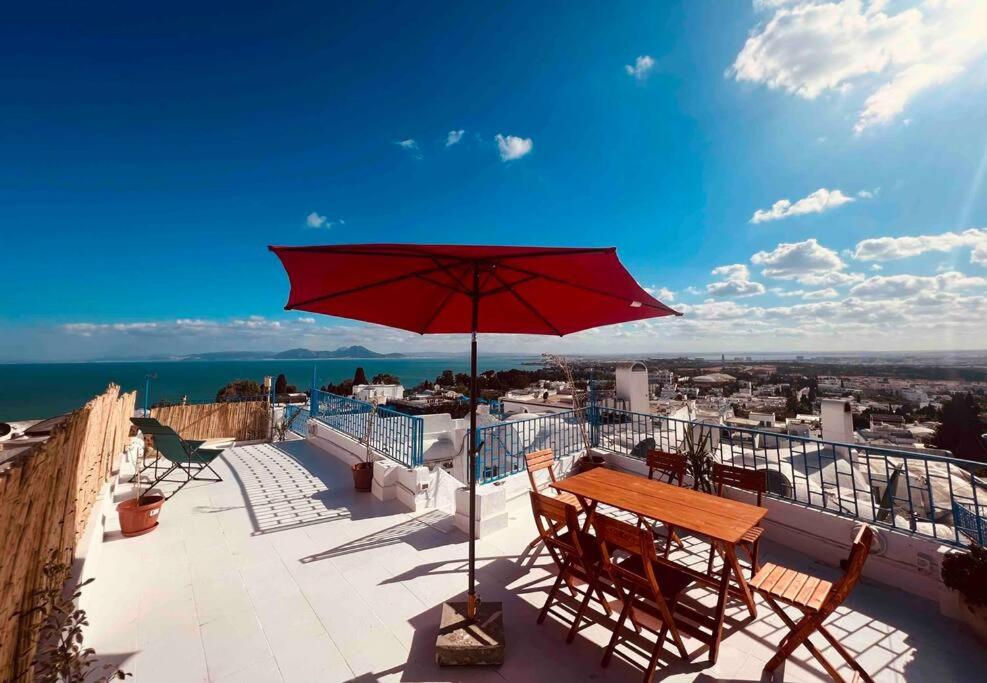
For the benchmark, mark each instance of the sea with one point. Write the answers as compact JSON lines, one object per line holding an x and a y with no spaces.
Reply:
{"x":33,"y":391}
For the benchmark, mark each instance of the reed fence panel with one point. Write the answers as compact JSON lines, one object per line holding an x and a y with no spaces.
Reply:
{"x":240,"y":420}
{"x":46,"y":496}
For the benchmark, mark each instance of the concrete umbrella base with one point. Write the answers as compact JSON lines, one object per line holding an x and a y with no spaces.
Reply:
{"x":470,"y":642}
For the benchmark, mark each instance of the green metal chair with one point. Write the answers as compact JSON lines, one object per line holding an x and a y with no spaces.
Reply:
{"x":190,"y":457}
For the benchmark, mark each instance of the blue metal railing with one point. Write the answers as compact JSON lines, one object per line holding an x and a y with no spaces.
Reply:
{"x":847,"y":479}
{"x":503,"y":446}
{"x":296,"y":415}
{"x":395,"y":435}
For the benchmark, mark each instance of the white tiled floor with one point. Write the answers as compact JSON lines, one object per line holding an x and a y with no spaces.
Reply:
{"x":282,"y":573}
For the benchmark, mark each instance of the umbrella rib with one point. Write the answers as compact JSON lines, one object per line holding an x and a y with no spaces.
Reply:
{"x":574,"y":285}
{"x":441,"y":306}
{"x":371,"y":285}
{"x":526,"y":304}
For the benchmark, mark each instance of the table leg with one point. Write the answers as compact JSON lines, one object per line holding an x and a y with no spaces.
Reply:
{"x":590,"y":507}
{"x":734,"y":564}
{"x":721,"y":606}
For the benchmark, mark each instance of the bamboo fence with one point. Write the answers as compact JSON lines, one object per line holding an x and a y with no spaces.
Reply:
{"x":46,"y":496}
{"x":240,"y":420}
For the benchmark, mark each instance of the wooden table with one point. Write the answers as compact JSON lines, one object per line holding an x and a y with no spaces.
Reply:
{"x":723,"y":521}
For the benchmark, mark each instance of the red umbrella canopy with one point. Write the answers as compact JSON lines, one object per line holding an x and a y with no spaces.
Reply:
{"x":431,"y":289}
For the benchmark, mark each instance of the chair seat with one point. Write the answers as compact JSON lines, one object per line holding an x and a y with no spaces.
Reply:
{"x":752,"y":535}
{"x":672,"y":581}
{"x":791,"y":587}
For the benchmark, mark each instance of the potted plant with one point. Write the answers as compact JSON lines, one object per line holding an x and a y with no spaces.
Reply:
{"x":698,"y":452}
{"x":588,"y":460}
{"x":139,"y":515}
{"x":59,"y":630}
{"x":966,"y":573}
{"x":363,"y":472}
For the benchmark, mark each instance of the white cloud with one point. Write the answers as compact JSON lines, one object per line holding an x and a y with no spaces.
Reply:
{"x":817,"y":202}
{"x":808,"y":262}
{"x":513,"y":147}
{"x":454,"y":137}
{"x":735,"y":271}
{"x":661,"y":293}
{"x":411,"y":146}
{"x":736,"y":282}
{"x":641,"y":68}
{"x":314,"y":220}
{"x":828,"y":293}
{"x":895,"y":248}
{"x":894,"y":286}
{"x":734,"y":288}
{"x":810,"y":48}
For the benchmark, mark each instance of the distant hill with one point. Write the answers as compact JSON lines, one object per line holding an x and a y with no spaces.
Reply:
{"x":349,"y":352}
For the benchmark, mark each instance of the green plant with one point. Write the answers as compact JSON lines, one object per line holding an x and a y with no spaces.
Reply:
{"x":283,"y":426}
{"x":698,"y":452}
{"x":966,"y":572}
{"x":61,"y":656}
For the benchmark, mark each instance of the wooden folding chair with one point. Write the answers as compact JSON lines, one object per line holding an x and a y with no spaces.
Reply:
{"x":670,"y":468}
{"x":538,"y":461}
{"x":816,"y":599}
{"x":575,"y":552}
{"x":648,"y":587}
{"x":755,"y":481}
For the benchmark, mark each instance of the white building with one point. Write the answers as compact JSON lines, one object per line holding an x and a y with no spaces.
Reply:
{"x":382,"y":393}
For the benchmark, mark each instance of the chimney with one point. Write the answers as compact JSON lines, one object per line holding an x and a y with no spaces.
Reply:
{"x":632,"y":386}
{"x":837,"y":420}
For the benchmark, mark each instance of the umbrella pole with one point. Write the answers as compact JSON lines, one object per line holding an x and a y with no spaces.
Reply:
{"x":471,"y":599}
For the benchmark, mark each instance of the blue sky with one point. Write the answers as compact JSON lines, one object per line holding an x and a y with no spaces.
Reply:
{"x":151,"y":154}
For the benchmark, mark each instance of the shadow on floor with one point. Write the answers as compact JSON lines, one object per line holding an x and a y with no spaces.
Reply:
{"x":420,"y":533}
{"x":292,"y":484}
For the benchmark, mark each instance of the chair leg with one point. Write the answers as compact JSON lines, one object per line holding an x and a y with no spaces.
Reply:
{"x":579,"y":614}
{"x":608,"y":653}
{"x":649,"y":672}
{"x":751,"y":549}
{"x":799,"y":635}
{"x":847,"y":657}
{"x":551,"y":594}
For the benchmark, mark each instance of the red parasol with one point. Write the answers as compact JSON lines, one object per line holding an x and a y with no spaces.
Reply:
{"x":432,"y":289}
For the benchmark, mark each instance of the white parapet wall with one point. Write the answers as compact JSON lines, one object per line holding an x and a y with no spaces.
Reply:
{"x":417,"y":488}
{"x":490,"y":511}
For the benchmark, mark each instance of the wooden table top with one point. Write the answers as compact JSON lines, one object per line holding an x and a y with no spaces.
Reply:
{"x":719,"y":518}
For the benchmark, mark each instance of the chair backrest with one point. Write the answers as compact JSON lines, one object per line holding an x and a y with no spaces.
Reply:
{"x":171,"y":446}
{"x":537,"y":461}
{"x":854,"y":567}
{"x":551,"y":516}
{"x":672,"y":466}
{"x":614,"y":534}
{"x":740,"y":478}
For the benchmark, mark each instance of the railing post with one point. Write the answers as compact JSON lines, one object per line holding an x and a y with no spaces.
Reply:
{"x":592,"y":415}
{"x":313,"y":403}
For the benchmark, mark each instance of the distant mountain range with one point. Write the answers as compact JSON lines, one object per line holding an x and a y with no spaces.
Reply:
{"x":348,"y":352}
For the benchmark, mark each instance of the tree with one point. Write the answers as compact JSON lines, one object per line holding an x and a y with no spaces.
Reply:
{"x":239,"y":388}
{"x":281,"y":385}
{"x":385,"y":378}
{"x":360,"y":377}
{"x":961,"y":429}
{"x":446,"y":379}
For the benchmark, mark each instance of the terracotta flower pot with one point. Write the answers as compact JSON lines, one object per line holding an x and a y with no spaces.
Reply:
{"x":363,"y":476}
{"x":140,"y":515}
{"x":587,"y":463}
